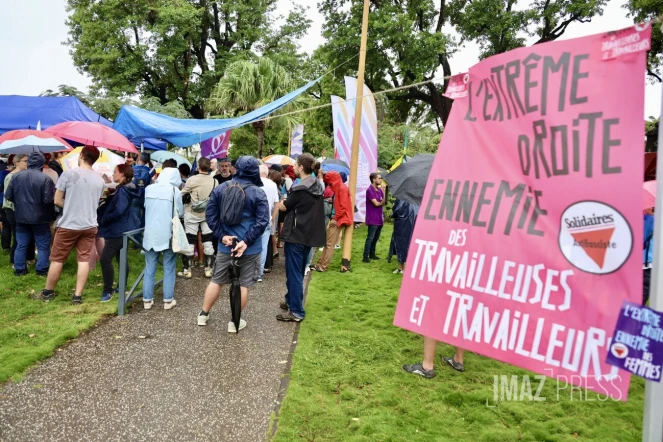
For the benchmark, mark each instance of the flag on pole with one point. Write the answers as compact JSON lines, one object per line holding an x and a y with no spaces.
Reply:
{"x":297,"y":141}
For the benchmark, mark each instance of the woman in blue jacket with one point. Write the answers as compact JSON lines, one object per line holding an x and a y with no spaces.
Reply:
{"x":113,"y":219}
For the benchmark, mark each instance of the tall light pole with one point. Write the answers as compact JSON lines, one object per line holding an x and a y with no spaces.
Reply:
{"x":356,"y":134}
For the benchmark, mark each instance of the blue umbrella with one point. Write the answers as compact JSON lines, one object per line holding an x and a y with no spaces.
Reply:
{"x":327,"y":167}
{"x":164,"y":155}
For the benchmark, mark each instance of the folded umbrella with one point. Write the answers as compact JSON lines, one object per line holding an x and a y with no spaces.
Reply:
{"x":408,"y":181}
{"x":26,"y":141}
{"x":235,"y":290}
{"x":91,"y":133}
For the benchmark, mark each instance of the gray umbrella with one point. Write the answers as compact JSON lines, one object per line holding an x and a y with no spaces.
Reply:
{"x":337,"y":162}
{"x":408,"y":181}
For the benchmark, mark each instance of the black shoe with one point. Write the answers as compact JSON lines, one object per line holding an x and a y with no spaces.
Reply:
{"x":43,"y":274}
{"x":375,"y":257}
{"x":6,"y":250}
{"x":47,"y":295}
{"x":453,"y":364}
{"x":366,"y":260}
{"x":284,"y":306}
{"x":76,"y":300}
{"x":418,"y":369}
{"x":20,"y":272}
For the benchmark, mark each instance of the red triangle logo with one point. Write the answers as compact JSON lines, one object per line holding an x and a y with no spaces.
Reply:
{"x":619,"y":351}
{"x":588,"y":240}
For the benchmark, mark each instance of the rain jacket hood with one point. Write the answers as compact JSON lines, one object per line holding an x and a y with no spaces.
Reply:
{"x":248,"y":171}
{"x":171,"y":176}
{"x":36,"y":161}
{"x":310,"y":185}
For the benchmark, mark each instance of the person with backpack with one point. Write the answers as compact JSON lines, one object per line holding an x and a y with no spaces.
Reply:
{"x":142,"y":179}
{"x":238,"y":214}
{"x":303,"y":228}
{"x":163,"y":201}
{"x":648,"y":253}
{"x":196,"y":195}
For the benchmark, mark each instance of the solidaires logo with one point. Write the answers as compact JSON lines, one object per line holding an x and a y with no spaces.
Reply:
{"x":594,"y":237}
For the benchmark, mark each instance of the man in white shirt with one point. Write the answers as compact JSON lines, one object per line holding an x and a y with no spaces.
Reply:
{"x":273,"y":197}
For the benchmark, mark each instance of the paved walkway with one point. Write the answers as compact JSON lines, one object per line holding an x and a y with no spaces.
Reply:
{"x":156,"y":376}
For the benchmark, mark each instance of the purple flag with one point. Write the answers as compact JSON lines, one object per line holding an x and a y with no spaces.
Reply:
{"x":216,"y":147}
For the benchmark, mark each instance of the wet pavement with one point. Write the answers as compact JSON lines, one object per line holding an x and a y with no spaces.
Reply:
{"x":156,"y":376}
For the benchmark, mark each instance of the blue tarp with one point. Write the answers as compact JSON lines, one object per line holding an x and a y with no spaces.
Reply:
{"x":23,"y":112}
{"x":134,"y":122}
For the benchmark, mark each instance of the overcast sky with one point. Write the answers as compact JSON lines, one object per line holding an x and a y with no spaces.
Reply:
{"x":34,"y":59}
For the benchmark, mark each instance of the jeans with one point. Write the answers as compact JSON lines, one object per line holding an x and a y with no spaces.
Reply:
{"x":25,"y":234}
{"x":296,"y":256}
{"x":169,"y":270}
{"x":30,"y":255}
{"x":371,"y":240}
{"x":112,"y":248}
{"x":266,"y":237}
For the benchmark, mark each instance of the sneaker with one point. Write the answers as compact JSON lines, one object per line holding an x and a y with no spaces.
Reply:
{"x":375,"y":257}
{"x":453,"y":364}
{"x":321,"y":249}
{"x":366,"y":260}
{"x":288,"y":317}
{"x":47,"y":295}
{"x":260,"y":278}
{"x":284,"y":306}
{"x":31,"y":262}
{"x":185,"y":273}
{"x":105,"y":297}
{"x":231,"y":326}
{"x":20,"y":272}
{"x":76,"y":300}
{"x":397,"y":271}
{"x":148,"y":304}
{"x":337,"y":247}
{"x":167,"y":305}
{"x":307,"y":271}
{"x":202,"y":319}
{"x":418,"y":369}
{"x":42,"y":274}
{"x":208,"y":272}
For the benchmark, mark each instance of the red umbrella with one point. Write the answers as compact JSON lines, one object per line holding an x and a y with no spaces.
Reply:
{"x":93,"y":134}
{"x":25,"y":141}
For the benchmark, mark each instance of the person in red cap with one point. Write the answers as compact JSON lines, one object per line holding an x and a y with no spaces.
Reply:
{"x":341,"y":220}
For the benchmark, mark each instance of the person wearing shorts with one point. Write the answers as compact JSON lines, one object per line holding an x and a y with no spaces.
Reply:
{"x":247,"y":234}
{"x":77,"y":192}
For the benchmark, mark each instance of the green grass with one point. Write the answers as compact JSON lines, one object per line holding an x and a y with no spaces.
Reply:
{"x":347,"y":383}
{"x":31,"y":330}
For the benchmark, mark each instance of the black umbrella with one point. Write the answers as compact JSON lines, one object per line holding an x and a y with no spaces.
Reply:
{"x":408,"y":181}
{"x":337,"y":162}
{"x":382,"y":171}
{"x":235,"y":290}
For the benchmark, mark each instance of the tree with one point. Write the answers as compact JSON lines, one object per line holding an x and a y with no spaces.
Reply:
{"x":642,"y":11}
{"x":247,"y":85}
{"x":407,"y":41}
{"x":175,"y":50}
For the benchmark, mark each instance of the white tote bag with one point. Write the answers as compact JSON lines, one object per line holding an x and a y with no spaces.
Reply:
{"x":180,"y":241}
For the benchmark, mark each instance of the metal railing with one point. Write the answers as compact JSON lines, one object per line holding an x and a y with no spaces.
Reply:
{"x":126,"y":297}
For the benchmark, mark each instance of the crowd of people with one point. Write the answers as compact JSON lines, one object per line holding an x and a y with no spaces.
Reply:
{"x":240,"y":209}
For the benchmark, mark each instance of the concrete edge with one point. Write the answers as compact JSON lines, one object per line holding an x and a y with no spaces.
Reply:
{"x":285,"y":374}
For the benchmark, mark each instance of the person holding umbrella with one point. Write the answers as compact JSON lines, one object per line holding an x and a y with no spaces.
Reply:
{"x":238,"y":214}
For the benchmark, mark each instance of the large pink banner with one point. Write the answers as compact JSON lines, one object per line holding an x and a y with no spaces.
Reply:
{"x":530,"y":232}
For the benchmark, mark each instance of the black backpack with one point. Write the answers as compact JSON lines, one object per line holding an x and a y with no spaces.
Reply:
{"x":232,"y":203}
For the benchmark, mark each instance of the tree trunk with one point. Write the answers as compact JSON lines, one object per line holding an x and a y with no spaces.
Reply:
{"x":260,"y":130}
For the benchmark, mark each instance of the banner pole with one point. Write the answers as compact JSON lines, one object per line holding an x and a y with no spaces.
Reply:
{"x":289,"y":138}
{"x":356,"y":133}
{"x":652,"y":429}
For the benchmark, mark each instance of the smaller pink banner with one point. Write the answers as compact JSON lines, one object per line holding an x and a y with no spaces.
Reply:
{"x":216,"y":147}
{"x":457,"y":87}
